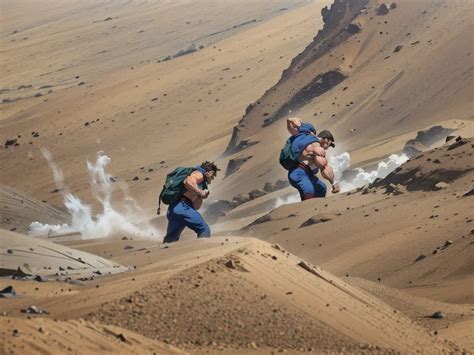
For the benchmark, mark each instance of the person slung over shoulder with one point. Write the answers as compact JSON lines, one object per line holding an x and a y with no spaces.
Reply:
{"x":304,"y":155}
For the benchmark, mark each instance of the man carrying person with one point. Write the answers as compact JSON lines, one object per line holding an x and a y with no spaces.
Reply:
{"x":310,"y":149}
{"x":183,"y":213}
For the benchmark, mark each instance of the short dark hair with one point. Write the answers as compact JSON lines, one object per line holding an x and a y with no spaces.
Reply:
{"x":328,"y":135}
{"x":210,"y":166}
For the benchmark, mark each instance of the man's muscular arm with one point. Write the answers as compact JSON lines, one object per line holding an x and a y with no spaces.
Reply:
{"x":326,"y":170}
{"x":292,"y":124}
{"x":191,"y":184}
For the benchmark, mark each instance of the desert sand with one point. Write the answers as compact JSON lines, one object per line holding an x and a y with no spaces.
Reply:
{"x":383,"y":267}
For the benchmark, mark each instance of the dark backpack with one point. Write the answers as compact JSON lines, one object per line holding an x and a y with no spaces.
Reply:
{"x":173,"y":189}
{"x":294,"y":146}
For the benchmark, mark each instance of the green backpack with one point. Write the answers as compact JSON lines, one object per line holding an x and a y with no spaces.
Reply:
{"x":173,"y":189}
{"x":288,"y":157}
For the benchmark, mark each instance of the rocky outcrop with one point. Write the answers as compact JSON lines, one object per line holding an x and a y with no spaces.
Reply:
{"x":234,"y":164}
{"x":340,"y":24}
{"x":318,"y":86}
{"x":425,"y":139}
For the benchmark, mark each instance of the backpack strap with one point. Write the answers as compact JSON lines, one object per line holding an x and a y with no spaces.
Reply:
{"x":158,"y":211}
{"x":202,"y":185}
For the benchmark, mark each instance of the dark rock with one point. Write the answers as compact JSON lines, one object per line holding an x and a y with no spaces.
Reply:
{"x":353,"y":28}
{"x":448,"y":243}
{"x":256,"y":194}
{"x":458,"y":143}
{"x":281,"y":184}
{"x":10,"y":142}
{"x":268,"y":187}
{"x":448,"y":138}
{"x":393,"y":6}
{"x":382,"y":10}
{"x":420,"y":257}
{"x":230,"y":264}
{"x":234,"y":164}
{"x":8,"y":292}
{"x":219,"y":209}
{"x":126,"y":247}
{"x":315,"y":220}
{"x":437,"y":315}
{"x":241,"y":199}
{"x":398,"y":48}
{"x":260,"y":220}
{"x":136,"y":178}
{"x":40,"y":278}
{"x":413,"y":148}
{"x":469,"y":193}
{"x":393,"y":189}
{"x":122,"y":338}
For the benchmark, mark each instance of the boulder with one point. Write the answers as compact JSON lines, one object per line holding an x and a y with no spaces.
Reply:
{"x":354,"y":27}
{"x":281,"y":184}
{"x":256,"y":194}
{"x":234,"y":164}
{"x":459,"y":142}
{"x":413,"y":148}
{"x":382,"y":10}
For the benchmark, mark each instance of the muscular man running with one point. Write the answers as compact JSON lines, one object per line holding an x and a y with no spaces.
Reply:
{"x":303,"y":178}
{"x":184,"y":212}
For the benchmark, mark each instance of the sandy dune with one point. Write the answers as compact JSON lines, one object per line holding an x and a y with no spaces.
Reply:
{"x":19,"y":210}
{"x":205,"y":294}
{"x":346,"y":235}
{"x":45,"y":336}
{"x":384,"y":268}
{"x":27,"y":256}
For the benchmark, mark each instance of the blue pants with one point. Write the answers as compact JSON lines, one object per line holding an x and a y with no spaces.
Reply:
{"x":307,"y":184}
{"x":183,"y":214}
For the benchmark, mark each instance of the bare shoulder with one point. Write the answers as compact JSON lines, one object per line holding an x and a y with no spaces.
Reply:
{"x":198,"y":176}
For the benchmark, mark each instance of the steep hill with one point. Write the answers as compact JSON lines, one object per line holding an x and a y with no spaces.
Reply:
{"x":375,"y":72}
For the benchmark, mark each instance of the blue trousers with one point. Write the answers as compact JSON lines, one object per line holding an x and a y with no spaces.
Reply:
{"x":307,"y":184}
{"x":183,"y":214}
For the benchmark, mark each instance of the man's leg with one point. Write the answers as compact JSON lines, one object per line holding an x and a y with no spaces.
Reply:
{"x":194,"y":221}
{"x":175,"y":224}
{"x":319,"y":187}
{"x":300,"y":180}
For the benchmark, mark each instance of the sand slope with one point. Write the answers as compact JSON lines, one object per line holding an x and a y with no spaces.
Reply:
{"x":19,"y":210}
{"x":134,"y":109}
{"x":27,"y":256}
{"x":396,"y":75}
{"x":189,"y":295}
{"x":45,"y":336}
{"x":379,"y":233}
